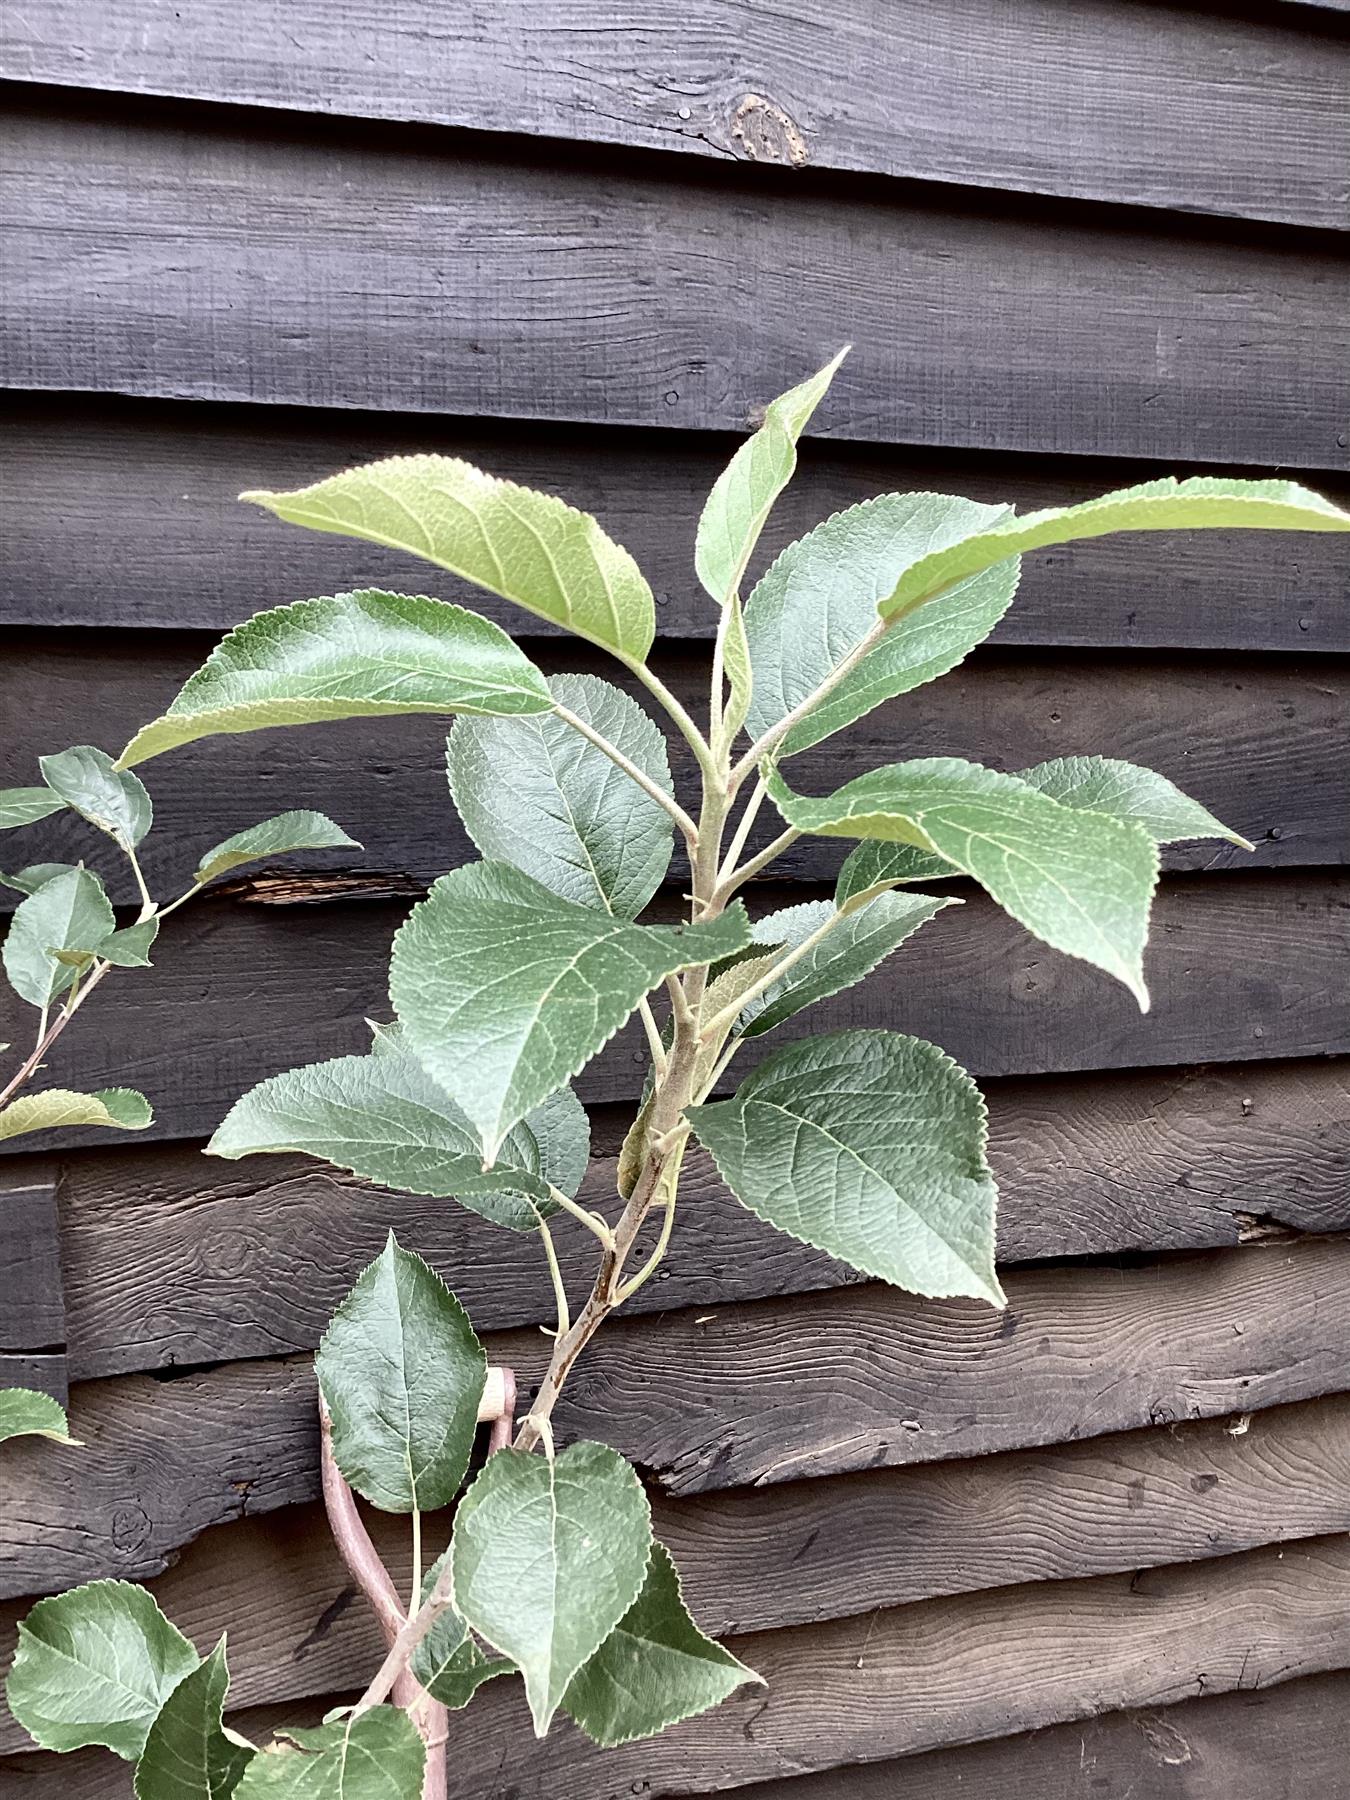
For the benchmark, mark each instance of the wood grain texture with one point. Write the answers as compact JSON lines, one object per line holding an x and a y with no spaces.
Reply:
{"x":172,"y":1258}
{"x":202,"y":257}
{"x":1183,"y":109}
{"x":32,"y":1300}
{"x":770,"y":1392}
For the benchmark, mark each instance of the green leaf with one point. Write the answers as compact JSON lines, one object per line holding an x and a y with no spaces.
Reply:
{"x":402,"y":1373}
{"x":187,"y":1754}
{"x":280,"y":836}
{"x":121,"y":1109}
{"x":25,"y":806}
{"x":130,"y":947}
{"x":739,"y":672}
{"x":448,"y":1662}
{"x":94,"y":1666}
{"x":1082,"y":882}
{"x":70,"y":912}
{"x":743,"y":494}
{"x":819,"y":600}
{"x":655,"y":1668}
{"x":525,"y":546}
{"x":538,"y":795}
{"x":1201,"y":502}
{"x":111,"y":799}
{"x":506,"y":990}
{"x":869,"y":1145}
{"x":26,"y":1413}
{"x":36,"y":875}
{"x":548,"y":1555}
{"x":376,"y":1755}
{"x":366,"y":654}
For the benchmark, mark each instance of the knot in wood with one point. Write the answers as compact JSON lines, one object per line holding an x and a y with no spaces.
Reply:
{"x":767,"y":133}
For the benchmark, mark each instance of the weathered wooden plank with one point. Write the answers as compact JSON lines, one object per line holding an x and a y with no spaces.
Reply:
{"x":774,"y":1391}
{"x":1242,"y":968}
{"x":1209,"y":113}
{"x":174,"y":1258}
{"x":388,"y":274}
{"x":32,"y":1302}
{"x":47,"y":1372}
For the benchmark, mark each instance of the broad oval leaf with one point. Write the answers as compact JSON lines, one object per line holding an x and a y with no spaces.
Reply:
{"x":130,"y":947}
{"x":110,"y":798}
{"x":548,"y":1555}
{"x":36,"y":875}
{"x":26,"y":805}
{"x":187,"y":1754}
{"x":655,"y":1668}
{"x":525,"y":546}
{"x":819,"y":600}
{"x":374,"y":1755}
{"x":871,"y":1146}
{"x":120,"y":1109}
{"x":448,"y":1662}
{"x":69,"y":913}
{"x":26,"y":1413}
{"x":1081,"y":881}
{"x":402,"y":1373}
{"x":94,"y":1666}
{"x":366,"y":654}
{"x":279,"y":836}
{"x":506,"y":991}
{"x":537,"y":794}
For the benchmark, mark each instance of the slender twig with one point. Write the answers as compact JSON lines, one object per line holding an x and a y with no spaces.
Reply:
{"x":651,"y":788}
{"x":764,"y":745}
{"x":147,"y":904}
{"x":742,"y":833}
{"x":774,"y":973}
{"x":598,"y":1227}
{"x":653,"y":1030}
{"x":555,"y":1275}
{"x":685,"y":725}
{"x":748,"y":870}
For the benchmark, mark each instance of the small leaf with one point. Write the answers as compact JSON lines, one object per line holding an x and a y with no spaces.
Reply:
{"x":743,"y":494}
{"x":402,"y":1372}
{"x":655,"y":1668}
{"x":739,"y":671}
{"x":447,"y":1662}
{"x":188,"y":1754}
{"x":548,"y":1555}
{"x":109,"y":798}
{"x":121,"y":1109}
{"x":525,"y":546}
{"x":70,"y":912}
{"x":871,"y":1146}
{"x":537,"y":794}
{"x":25,"y":806}
{"x":94,"y":1666}
{"x":130,"y":947}
{"x":366,"y":654}
{"x":36,"y":875}
{"x":26,"y":1413}
{"x":287,"y":832}
{"x":374,"y":1755}
{"x":506,"y":991}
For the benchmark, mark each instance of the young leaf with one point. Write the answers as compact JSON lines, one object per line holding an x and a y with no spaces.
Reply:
{"x":287,"y":832}
{"x":869,"y":1145}
{"x":25,"y":806}
{"x":26,"y":1413}
{"x":743,"y":494}
{"x":36,"y":875}
{"x":448,"y":1662}
{"x":548,"y":1555}
{"x":818,"y":601}
{"x":739,"y":672}
{"x":1080,"y":881}
{"x":111,"y":799}
{"x":374,"y":1755}
{"x":655,"y":1668}
{"x":187,"y":1754}
{"x":348,"y":656}
{"x":505,"y":990}
{"x":402,"y":1373}
{"x":525,"y":546}
{"x":121,"y":1109}
{"x":94,"y":1666}
{"x":1202,"y":502}
{"x":70,"y":912}
{"x":538,"y":795}
{"x":130,"y":947}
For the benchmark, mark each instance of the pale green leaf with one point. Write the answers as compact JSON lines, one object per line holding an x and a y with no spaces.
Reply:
{"x":121,"y":1109}
{"x":447,"y":1662}
{"x":1080,"y":881}
{"x":367,"y":654}
{"x":280,"y":836}
{"x":739,"y":671}
{"x":537,"y":794}
{"x":110,"y":798}
{"x":70,"y":912}
{"x":36,"y":875}
{"x":376,"y":1755}
{"x":130,"y":947}
{"x":818,"y":601}
{"x":94,"y":1666}
{"x":1202,"y":502}
{"x":655,"y":1668}
{"x":402,"y":1374}
{"x":506,"y":991}
{"x":187,"y":1754}
{"x":26,"y":1413}
{"x":547,"y":1556}
{"x":743,"y":494}
{"x":525,"y":546}
{"x":871,"y":1146}
{"x":25,"y":806}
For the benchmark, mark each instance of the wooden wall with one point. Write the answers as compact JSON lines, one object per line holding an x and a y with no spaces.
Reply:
{"x":1093,"y":1548}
